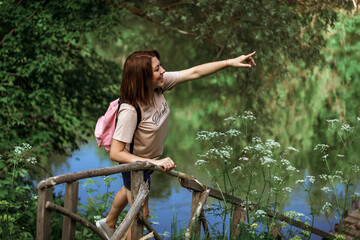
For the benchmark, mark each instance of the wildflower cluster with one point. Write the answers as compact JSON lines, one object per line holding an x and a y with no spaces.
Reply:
{"x":19,"y":150}
{"x":248,"y":115}
{"x":259,"y":170}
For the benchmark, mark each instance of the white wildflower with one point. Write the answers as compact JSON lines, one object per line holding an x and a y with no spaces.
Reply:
{"x":248,"y":116}
{"x":321,"y":147}
{"x":224,"y":154}
{"x":244,"y":159}
{"x":293,"y":149}
{"x":293,"y":214}
{"x":260,"y":213}
{"x":291,"y":168}
{"x":277,"y":180}
{"x":285,"y":162}
{"x":326,"y":189}
{"x":332,"y":120}
{"x":236,"y":169}
{"x":334,"y":177}
{"x":233,"y":132}
{"x":339,"y":173}
{"x":253,"y":192}
{"x":201,"y":135}
{"x":246,"y":202}
{"x":267,"y":153}
{"x":340,"y":155}
{"x":272,"y":144}
{"x":300,"y":181}
{"x":18,"y":150}
{"x":326,"y":208}
{"x":31,"y":160}
{"x":346,"y":127}
{"x":206,"y":135}
{"x":259,"y":147}
{"x":267,"y":161}
{"x":311,"y":179}
{"x":358,"y":118}
{"x":325,"y":156}
{"x":229,"y":121}
{"x":323,"y":176}
{"x":287,"y":189}
{"x":256,"y":140}
{"x":247,"y":148}
{"x":97,"y":217}
{"x":26,"y":146}
{"x":200,"y":162}
{"x":355,"y":168}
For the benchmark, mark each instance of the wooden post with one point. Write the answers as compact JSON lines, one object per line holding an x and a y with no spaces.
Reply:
{"x":204,"y":224}
{"x":43,"y":215}
{"x":71,"y":202}
{"x":239,"y":215}
{"x":275,"y":230}
{"x":194,"y":204}
{"x":137,"y":178}
{"x":196,"y":208}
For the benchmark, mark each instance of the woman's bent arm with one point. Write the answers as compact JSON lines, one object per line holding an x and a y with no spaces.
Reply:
{"x":118,"y":154}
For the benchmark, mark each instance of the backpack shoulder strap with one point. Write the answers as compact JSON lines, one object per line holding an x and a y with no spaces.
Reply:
{"x":138,"y":111}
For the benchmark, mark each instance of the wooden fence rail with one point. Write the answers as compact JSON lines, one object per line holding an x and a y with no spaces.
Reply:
{"x":137,"y":222}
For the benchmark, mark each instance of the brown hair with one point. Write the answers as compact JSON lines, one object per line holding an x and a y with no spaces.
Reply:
{"x":136,"y":85}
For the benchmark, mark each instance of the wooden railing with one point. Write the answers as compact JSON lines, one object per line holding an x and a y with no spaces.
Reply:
{"x":134,"y":218}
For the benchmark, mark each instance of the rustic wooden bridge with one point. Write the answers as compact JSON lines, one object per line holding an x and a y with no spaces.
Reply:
{"x":134,"y":221}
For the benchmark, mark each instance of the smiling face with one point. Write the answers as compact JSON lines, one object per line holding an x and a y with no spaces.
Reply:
{"x":158,"y":72}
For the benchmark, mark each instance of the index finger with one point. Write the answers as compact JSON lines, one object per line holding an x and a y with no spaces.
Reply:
{"x":251,"y":54}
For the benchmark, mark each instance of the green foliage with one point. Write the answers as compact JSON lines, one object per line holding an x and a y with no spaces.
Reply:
{"x":280,"y":32}
{"x":97,"y":204}
{"x":51,"y":77}
{"x":17,"y":195}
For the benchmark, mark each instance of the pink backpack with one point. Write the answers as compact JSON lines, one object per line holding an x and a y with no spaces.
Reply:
{"x":105,"y":126}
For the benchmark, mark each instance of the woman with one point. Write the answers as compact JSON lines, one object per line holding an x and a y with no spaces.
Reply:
{"x":143,"y":81}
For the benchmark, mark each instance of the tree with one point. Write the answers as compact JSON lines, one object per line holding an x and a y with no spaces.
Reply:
{"x":52,"y":80}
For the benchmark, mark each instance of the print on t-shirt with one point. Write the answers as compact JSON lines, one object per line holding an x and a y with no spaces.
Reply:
{"x":159,"y":114}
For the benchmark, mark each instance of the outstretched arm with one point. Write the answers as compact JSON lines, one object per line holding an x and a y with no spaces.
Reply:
{"x":209,"y":68}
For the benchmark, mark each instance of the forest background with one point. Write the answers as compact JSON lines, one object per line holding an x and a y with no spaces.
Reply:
{"x":61,"y":64}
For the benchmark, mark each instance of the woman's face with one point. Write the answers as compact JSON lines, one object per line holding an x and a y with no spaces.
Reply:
{"x":158,"y":72}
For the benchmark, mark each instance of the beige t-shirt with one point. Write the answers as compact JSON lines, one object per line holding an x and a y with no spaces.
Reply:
{"x":154,"y":125}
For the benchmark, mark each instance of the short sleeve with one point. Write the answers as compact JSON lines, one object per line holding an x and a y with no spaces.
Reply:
{"x":170,"y":80}
{"x":126,"y":124}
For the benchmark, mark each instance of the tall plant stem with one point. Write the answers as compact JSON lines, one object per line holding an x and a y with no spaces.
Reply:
{"x":342,"y":141}
{"x":264,"y":187}
{"x":333,"y":185}
{"x":311,"y":209}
